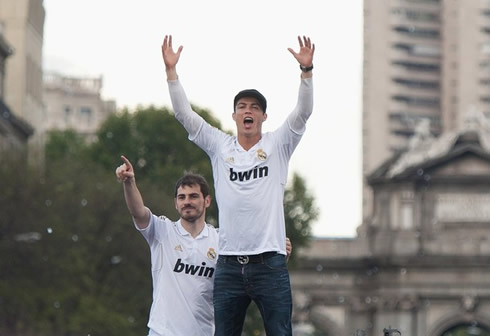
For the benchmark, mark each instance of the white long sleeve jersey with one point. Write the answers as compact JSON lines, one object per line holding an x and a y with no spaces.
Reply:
{"x":249,"y":185}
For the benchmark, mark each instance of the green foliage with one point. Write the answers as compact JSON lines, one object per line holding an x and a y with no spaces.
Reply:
{"x":72,"y":262}
{"x":299,"y":212}
{"x":157,"y":145}
{"x":64,"y":145}
{"x":71,"y":265}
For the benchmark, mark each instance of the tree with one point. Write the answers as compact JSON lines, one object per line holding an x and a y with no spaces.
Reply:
{"x":61,"y":145}
{"x":158,"y":146}
{"x":64,"y":238}
{"x":299,"y":212}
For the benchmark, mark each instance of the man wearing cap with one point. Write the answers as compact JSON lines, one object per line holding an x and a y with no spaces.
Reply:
{"x":250,"y":172}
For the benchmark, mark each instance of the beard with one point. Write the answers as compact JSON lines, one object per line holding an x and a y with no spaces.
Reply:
{"x":191,"y":216}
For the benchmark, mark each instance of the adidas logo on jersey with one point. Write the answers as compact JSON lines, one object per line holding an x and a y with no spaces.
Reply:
{"x":193,"y":269}
{"x":254,"y":173}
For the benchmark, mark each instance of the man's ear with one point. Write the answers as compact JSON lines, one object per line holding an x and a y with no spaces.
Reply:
{"x":207,"y":201}
{"x":233,"y":115}
{"x":264,"y":116}
{"x":175,"y":203}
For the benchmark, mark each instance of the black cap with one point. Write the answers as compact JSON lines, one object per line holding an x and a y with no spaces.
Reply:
{"x":251,"y":93}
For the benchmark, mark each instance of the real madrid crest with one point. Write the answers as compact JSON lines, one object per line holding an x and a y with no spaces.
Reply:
{"x":261,"y":154}
{"x":211,"y":254}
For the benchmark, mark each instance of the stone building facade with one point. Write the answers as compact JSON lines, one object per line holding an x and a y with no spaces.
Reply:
{"x":22,"y":24}
{"x":421,"y":262}
{"x":74,"y":103}
{"x":422,"y":59}
{"x":14,"y":132}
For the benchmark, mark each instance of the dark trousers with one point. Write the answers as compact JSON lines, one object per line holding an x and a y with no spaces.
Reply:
{"x":265,"y":281}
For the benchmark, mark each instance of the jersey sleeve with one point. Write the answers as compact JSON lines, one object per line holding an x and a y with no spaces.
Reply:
{"x":200,"y":132}
{"x":304,"y":107}
{"x":155,"y":231}
{"x":191,"y":121}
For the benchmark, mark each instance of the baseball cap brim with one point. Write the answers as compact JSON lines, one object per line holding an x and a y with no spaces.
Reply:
{"x":253,"y":94}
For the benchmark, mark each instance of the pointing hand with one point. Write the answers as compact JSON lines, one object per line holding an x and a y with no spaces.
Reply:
{"x":125,"y":171}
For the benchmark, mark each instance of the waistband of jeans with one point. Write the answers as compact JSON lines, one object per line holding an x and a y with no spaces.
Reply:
{"x":249,"y":259}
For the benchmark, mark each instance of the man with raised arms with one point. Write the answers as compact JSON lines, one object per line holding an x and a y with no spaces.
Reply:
{"x":250,"y":172}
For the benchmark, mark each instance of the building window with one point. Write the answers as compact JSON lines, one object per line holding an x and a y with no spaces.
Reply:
{"x":408,"y":118}
{"x":67,"y":114}
{"x":406,"y":215}
{"x":426,"y":50}
{"x":417,"y":101}
{"x":417,"y":32}
{"x":416,"y":15}
{"x":417,"y":84}
{"x":414,"y":49}
{"x":86,"y":114}
{"x":425,"y":67}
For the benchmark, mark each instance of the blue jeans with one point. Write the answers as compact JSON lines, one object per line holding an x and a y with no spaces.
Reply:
{"x":266,"y":283}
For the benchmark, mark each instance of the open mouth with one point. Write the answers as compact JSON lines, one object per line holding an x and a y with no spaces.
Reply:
{"x":248,"y":121}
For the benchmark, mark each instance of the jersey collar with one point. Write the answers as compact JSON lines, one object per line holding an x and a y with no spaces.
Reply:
{"x":183,"y":232}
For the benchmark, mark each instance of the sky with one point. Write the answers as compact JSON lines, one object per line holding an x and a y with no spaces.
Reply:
{"x":230,"y":46}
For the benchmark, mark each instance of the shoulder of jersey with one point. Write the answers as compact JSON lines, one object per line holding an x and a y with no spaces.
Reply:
{"x":211,"y":227}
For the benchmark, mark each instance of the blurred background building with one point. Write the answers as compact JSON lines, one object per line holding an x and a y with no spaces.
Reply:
{"x":423,"y":60}
{"x":22,"y":22}
{"x":75,"y":103}
{"x":14,"y":132}
{"x":421,"y":262}
{"x":422,"y":254}
{"x":33,"y":103}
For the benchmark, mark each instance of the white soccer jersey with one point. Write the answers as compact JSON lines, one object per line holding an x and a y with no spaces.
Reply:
{"x":249,"y":184}
{"x":249,"y":189}
{"x":182,"y":270}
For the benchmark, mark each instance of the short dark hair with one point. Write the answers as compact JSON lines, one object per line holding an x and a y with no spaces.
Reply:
{"x":190,"y":179}
{"x":253,"y":94}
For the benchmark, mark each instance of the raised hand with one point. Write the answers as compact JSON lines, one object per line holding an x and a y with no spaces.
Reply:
{"x":125,"y":171}
{"x":306,"y":51}
{"x":170,"y":57}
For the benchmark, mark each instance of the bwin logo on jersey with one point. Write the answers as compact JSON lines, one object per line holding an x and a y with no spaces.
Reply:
{"x":254,"y":173}
{"x":193,"y":269}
